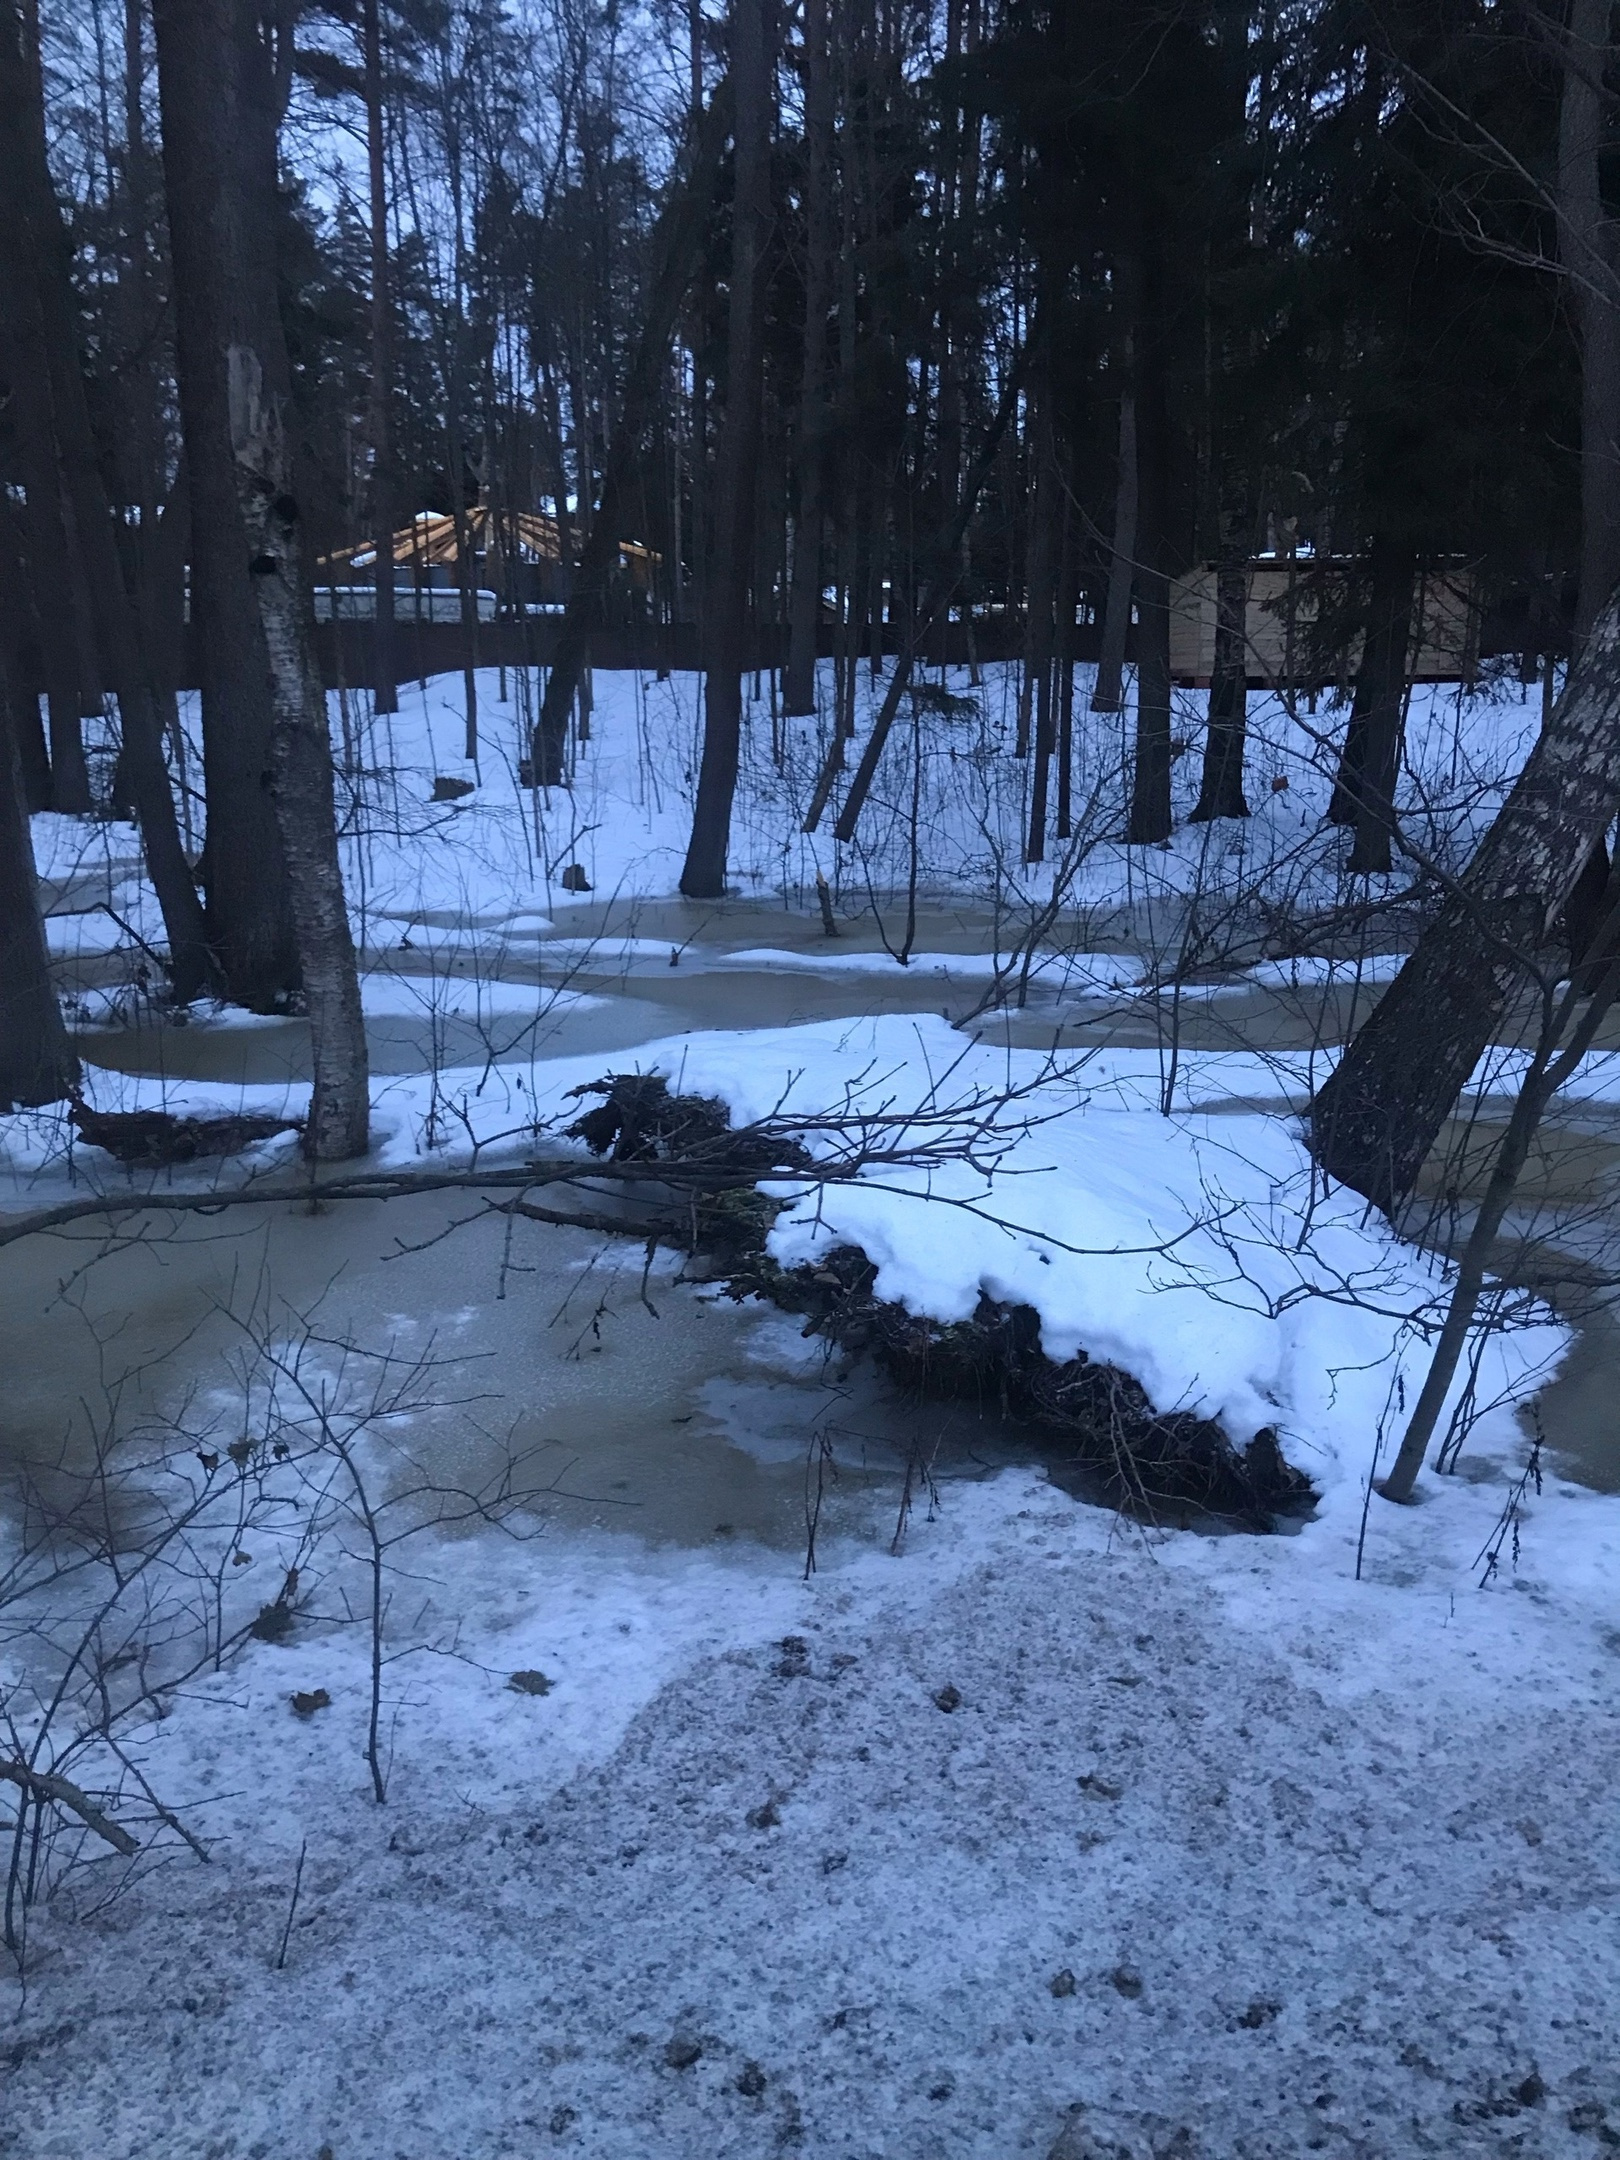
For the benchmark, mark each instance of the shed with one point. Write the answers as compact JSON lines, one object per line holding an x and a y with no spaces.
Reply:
{"x":1292,"y":600}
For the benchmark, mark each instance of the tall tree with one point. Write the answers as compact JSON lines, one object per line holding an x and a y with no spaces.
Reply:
{"x":1589,"y":244}
{"x":34,"y":266}
{"x":220,"y":113}
{"x":37,"y":1064}
{"x":703,"y":876}
{"x":677,"y":246}
{"x":1375,"y":1120}
{"x":1149,"y":818}
{"x":224,"y":274}
{"x":1364,"y":792}
{"x":810,"y":457}
{"x":1220,"y":793}
{"x":383,"y":508}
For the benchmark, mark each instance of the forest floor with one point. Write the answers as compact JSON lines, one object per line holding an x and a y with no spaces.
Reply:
{"x":1246,"y":1857}
{"x":1050,"y":1834}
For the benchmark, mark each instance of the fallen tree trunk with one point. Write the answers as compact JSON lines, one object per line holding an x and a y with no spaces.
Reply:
{"x":1374,"y":1121}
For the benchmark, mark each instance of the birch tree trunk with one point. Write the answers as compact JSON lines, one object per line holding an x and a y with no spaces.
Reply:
{"x":1376,"y":1118}
{"x":244,"y":869}
{"x":220,"y":112}
{"x":301,"y":769}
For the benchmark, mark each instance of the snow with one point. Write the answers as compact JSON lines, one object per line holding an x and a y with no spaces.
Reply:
{"x":408,"y":997}
{"x":1294,"y":1837}
{"x":1250,"y":1846}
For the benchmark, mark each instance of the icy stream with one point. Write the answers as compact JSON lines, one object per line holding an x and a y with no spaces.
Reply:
{"x":701,"y":1422}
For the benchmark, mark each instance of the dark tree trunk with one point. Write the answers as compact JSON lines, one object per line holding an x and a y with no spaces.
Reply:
{"x":1220,"y":793}
{"x":37,"y":1064}
{"x":1364,"y":792}
{"x":34,"y":252}
{"x":1589,"y":244}
{"x":49,"y":553}
{"x":20,"y":656}
{"x":1042,"y":591}
{"x":385,"y":697}
{"x":1374,"y":1121}
{"x":1068,"y":603}
{"x":244,"y":867}
{"x":799,"y":679}
{"x":703,"y":877}
{"x":1150,"y":820}
{"x":1108,"y":694}
{"x":258,"y":379}
{"x":1586,"y":914}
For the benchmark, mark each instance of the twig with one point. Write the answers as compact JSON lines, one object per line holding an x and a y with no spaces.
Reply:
{"x":292,"y":1907}
{"x":44,"y":1786}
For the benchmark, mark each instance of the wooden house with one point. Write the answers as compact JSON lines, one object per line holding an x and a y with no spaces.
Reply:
{"x":1295,"y":607}
{"x":517,"y":562}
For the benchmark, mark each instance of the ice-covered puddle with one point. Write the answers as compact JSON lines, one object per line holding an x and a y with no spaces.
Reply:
{"x":458,"y":991}
{"x":615,"y":1395}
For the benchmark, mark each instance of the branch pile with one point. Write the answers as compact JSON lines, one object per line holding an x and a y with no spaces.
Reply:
{"x":1094,"y":1414}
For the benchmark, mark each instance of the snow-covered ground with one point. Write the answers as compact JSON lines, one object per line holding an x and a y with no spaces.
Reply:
{"x":1246,"y":1846}
{"x":483,"y":874}
{"x":1246,"y":1856}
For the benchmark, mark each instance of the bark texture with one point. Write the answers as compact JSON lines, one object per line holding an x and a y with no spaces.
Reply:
{"x":799,"y":677}
{"x":28,"y":382}
{"x":703,"y":876}
{"x":301,"y":769}
{"x":213,"y":245}
{"x":37,"y":1064}
{"x":1039,"y":644}
{"x":20,"y":655}
{"x":1589,"y":244}
{"x":219,"y":113}
{"x":1220,"y":793}
{"x":1150,"y":809}
{"x":1375,"y":1120}
{"x":385,"y":698}
{"x":1116,"y":627}
{"x":1364,"y":791}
